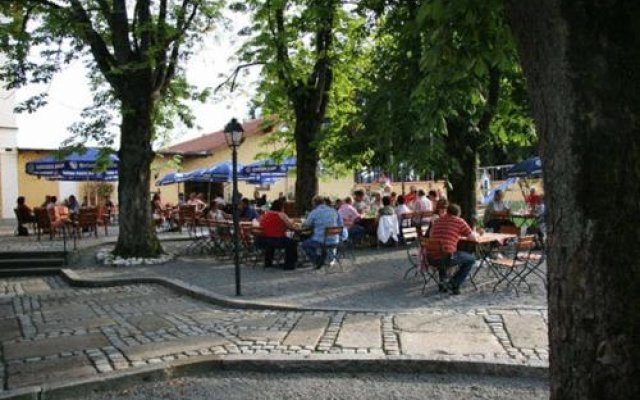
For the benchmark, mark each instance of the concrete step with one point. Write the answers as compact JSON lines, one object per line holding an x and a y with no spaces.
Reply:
{"x":9,"y":272}
{"x":25,"y":263}
{"x":29,"y":255}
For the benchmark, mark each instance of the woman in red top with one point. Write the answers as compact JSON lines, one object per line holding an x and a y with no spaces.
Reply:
{"x":274,"y":225}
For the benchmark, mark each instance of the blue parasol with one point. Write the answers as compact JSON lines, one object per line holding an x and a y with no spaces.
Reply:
{"x":529,"y":167}
{"x":74,"y":167}
{"x":171,"y":178}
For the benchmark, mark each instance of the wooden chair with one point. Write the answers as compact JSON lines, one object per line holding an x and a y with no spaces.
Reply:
{"x":187,"y":218}
{"x":86,"y":221}
{"x":410,"y":234}
{"x":103,"y":218}
{"x":435,"y":262}
{"x":332,"y":248}
{"x":510,"y":229}
{"x":422,"y":220}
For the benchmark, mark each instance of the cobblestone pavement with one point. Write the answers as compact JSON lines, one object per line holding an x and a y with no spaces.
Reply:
{"x":51,"y":332}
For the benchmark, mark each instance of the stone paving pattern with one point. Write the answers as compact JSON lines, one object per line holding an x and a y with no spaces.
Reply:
{"x":52,"y":332}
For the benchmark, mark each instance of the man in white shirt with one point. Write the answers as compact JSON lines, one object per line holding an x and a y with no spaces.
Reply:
{"x":422,"y":203}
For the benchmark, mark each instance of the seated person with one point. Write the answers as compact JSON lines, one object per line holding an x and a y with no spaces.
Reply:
{"x":532,"y":199}
{"x":495,"y":212}
{"x":388,"y":226}
{"x":274,"y":225}
{"x":246,"y":211}
{"x":350,"y":216}
{"x":156,"y":209}
{"x":422,"y":203}
{"x":401,"y":207}
{"x":319,"y":219}
{"x":195,"y":199}
{"x":74,"y":206}
{"x":359,"y":202}
{"x":215,"y":213}
{"x":376,"y":204}
{"x":23,"y":212}
{"x":449,"y":228}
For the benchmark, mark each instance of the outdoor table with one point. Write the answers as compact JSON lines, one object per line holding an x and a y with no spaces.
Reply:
{"x":482,"y":247}
{"x":521,"y":217}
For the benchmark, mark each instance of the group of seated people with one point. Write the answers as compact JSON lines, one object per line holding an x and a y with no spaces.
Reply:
{"x":498,"y":213}
{"x":60,"y":213}
{"x":276,"y":225}
{"x":217,"y":209}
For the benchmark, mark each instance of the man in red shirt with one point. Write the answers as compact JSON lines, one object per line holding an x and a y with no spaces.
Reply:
{"x":449,"y":228}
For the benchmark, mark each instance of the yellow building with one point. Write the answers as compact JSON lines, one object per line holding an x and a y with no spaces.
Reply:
{"x":211,"y":149}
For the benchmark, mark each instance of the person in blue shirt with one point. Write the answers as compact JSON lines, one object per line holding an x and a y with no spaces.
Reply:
{"x":246,"y":211}
{"x":322,"y":217}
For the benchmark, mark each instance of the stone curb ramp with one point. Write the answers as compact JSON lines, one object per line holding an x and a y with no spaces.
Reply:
{"x":79,"y":388}
{"x":73,"y":278}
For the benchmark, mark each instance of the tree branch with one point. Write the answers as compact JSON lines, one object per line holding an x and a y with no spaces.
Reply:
{"x":103,"y":58}
{"x":234,"y":75}
{"x":282,"y":54}
{"x":492,"y":100}
{"x":144,"y":18}
{"x":119,"y":22}
{"x":48,"y":3}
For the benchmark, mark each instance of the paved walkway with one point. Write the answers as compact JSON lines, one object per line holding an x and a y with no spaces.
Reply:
{"x":51,"y":332}
{"x":374,"y":282}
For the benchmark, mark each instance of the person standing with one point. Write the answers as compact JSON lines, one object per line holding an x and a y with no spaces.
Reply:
{"x":449,"y":228}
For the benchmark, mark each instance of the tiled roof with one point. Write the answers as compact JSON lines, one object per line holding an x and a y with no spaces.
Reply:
{"x":215,"y":140}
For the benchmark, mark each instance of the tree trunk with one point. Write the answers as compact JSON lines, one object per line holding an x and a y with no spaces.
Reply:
{"x":307,"y":162}
{"x":581,"y":61}
{"x":463,"y":180}
{"x":137,"y":236}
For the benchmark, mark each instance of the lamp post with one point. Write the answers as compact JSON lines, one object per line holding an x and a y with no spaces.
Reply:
{"x":233,"y":134}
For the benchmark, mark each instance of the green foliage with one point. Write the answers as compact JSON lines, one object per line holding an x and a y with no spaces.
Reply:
{"x":292,"y":79}
{"x":123,"y":44}
{"x":431,"y":70}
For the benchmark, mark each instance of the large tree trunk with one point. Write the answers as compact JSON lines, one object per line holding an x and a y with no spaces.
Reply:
{"x":307,"y":162}
{"x":463,"y":180}
{"x":137,"y":232}
{"x":582,"y":60}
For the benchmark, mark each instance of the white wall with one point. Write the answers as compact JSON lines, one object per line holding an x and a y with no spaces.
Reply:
{"x":8,"y":153}
{"x":66,"y":189}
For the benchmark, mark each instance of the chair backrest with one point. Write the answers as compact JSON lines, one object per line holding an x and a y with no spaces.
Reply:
{"x":410,"y":232}
{"x":406,"y":219}
{"x":526,"y":242}
{"x":18,"y":218}
{"x":186,"y":213}
{"x":331,"y":232}
{"x":433,"y":249}
{"x":509,"y":229}
{"x":256,"y":231}
{"x":87,"y":217}
{"x":42,"y":218}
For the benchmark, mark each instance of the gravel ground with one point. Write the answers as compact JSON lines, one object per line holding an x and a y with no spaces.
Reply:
{"x":374,"y":282}
{"x":236,"y":385}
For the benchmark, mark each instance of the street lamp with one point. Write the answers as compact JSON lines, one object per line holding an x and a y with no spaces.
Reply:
{"x":233,"y":134}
